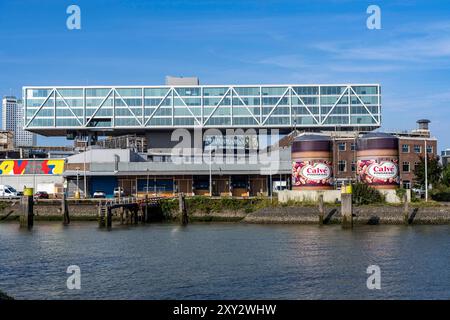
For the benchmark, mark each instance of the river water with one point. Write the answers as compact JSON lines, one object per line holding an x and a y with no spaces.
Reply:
{"x":224,"y":261}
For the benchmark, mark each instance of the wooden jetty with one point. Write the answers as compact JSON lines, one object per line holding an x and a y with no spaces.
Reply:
{"x":131,"y":210}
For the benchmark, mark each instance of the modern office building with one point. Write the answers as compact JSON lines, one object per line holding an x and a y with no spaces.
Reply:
{"x":117,"y":110}
{"x":12,"y":120}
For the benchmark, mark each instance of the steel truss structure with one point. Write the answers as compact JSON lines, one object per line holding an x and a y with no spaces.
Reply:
{"x":59,"y":110}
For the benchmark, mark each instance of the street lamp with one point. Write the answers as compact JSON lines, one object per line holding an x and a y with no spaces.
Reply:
{"x":148,"y":173}
{"x":78,"y":185}
{"x":84,"y":170}
{"x":426,"y":172}
{"x":210,"y":173}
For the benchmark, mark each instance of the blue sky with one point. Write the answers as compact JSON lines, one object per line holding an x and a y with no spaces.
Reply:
{"x":240,"y":42}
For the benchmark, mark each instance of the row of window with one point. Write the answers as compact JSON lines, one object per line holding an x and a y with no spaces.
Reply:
{"x":342,"y":166}
{"x":417,"y":148}
{"x":207,"y":91}
{"x":406,"y":167}
{"x":342,"y":146}
{"x":213,"y":101}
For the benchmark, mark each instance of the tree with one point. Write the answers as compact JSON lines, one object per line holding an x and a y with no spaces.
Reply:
{"x":434,"y":169}
{"x":446,"y":175}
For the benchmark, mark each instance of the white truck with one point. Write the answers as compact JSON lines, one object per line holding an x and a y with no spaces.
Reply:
{"x":6,"y":191}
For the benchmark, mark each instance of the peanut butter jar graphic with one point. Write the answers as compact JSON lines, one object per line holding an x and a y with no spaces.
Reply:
{"x":312,"y":162}
{"x":377,"y":160}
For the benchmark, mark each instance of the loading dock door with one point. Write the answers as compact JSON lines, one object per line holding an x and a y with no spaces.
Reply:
{"x":106,"y":184}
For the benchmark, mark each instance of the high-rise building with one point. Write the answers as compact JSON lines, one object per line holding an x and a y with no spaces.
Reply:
{"x":12,"y":120}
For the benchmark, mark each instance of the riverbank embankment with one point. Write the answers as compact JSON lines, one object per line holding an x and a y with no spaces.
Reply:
{"x":383,"y":214}
{"x":201,"y":209}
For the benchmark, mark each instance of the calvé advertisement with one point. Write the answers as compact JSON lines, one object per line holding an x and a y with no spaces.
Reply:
{"x":311,"y":173}
{"x":378,"y":172}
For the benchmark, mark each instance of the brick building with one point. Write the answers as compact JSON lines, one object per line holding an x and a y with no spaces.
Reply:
{"x":412,"y":146}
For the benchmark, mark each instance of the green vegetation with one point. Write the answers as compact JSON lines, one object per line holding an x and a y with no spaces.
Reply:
{"x":4,"y":205}
{"x":446,"y":176}
{"x":400,"y":192}
{"x":438,"y":177}
{"x":4,"y":296}
{"x":206,"y":205}
{"x":365,"y":194}
{"x":440,"y":193}
{"x":434,"y":170}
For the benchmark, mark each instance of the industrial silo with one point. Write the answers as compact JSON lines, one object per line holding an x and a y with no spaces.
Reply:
{"x":312,"y":168}
{"x":377,"y":160}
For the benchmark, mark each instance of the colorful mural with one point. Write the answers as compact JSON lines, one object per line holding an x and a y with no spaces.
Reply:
{"x":18,"y":167}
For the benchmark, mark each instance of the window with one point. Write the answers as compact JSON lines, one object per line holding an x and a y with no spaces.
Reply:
{"x":407,"y":184}
{"x":353,"y":166}
{"x":405,"y":167}
{"x":342,"y":164}
{"x":416,"y":164}
{"x":341,"y":146}
{"x":405,"y":148}
{"x":429,"y":149}
{"x":417,"y":148}
{"x":352,"y":146}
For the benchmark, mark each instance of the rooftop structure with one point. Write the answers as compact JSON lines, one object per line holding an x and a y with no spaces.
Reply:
{"x":118,"y":110}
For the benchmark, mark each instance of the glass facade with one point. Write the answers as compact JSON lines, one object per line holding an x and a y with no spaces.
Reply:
{"x":202,"y":106}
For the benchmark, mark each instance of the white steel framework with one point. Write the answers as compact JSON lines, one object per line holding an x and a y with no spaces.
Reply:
{"x":58,"y":110}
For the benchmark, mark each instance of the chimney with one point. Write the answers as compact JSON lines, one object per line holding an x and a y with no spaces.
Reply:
{"x":423,"y":124}
{"x":423,"y":128}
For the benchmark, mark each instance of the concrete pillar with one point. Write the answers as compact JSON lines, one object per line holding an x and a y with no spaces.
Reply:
{"x":27,"y":214}
{"x":405,"y":209}
{"x":321,"y":209}
{"x":346,"y":210}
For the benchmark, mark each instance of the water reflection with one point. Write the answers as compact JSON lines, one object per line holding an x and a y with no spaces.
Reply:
{"x":225,"y":261}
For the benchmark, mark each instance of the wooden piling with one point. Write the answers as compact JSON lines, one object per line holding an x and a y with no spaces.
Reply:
{"x":182,"y":209}
{"x":27,"y":215}
{"x":101,"y":216}
{"x":346,"y":210}
{"x":321,"y":209}
{"x":65,"y":209}
{"x":145,"y":210}
{"x":136,"y":214}
{"x":108,"y":217}
{"x":127,"y":216}
{"x":121,"y":211}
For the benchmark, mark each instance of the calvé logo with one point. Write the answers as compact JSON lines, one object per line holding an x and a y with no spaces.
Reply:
{"x":383,"y":170}
{"x":318,"y":171}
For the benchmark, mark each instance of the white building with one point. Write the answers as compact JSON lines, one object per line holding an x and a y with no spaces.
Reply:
{"x":12,"y":120}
